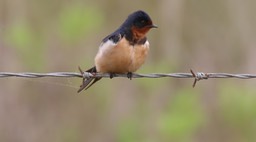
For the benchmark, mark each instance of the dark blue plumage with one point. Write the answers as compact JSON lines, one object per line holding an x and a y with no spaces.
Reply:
{"x":137,"y":19}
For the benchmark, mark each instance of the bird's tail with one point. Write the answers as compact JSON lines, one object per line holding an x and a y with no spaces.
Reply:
{"x":87,"y":83}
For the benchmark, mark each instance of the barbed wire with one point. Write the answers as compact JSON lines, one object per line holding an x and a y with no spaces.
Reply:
{"x":39,"y":75}
{"x":196,"y":75}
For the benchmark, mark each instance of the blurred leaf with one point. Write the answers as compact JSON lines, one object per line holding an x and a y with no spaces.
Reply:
{"x":27,"y":43}
{"x":20,"y":36}
{"x":69,"y":134}
{"x":128,"y":131}
{"x":183,"y":116}
{"x":237,"y":106}
{"x":76,"y":21}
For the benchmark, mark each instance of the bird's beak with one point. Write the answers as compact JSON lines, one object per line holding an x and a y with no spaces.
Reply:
{"x":153,"y":26}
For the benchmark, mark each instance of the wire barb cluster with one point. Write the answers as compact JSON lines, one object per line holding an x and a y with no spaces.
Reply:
{"x":196,"y":75}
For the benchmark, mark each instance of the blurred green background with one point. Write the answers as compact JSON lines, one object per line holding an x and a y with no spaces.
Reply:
{"x":59,"y":35}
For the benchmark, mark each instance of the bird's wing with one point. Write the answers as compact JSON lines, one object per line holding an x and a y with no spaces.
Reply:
{"x":115,"y":37}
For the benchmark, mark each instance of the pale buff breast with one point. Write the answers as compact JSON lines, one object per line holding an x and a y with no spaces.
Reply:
{"x":114,"y":58}
{"x":139,"y":54}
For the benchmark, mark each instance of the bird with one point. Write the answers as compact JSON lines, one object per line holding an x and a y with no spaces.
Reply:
{"x":123,"y":51}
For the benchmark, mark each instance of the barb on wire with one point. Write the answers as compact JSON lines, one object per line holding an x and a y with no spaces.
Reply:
{"x":196,"y":75}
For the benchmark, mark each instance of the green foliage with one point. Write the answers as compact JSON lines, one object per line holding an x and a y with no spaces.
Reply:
{"x":69,"y":134}
{"x":128,"y":131}
{"x":28,"y":43}
{"x":182,"y":118}
{"x":76,"y":21}
{"x":237,"y":105}
{"x":20,"y":36}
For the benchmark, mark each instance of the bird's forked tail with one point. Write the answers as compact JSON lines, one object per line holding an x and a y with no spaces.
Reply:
{"x":88,"y":82}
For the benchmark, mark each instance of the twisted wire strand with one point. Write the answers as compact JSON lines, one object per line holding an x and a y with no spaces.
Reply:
{"x":39,"y":75}
{"x":196,"y":75}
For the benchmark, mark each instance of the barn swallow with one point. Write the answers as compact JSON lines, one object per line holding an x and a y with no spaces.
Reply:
{"x":123,"y":51}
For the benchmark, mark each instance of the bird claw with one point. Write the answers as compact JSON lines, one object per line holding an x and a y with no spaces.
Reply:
{"x":129,"y":75}
{"x":111,"y":75}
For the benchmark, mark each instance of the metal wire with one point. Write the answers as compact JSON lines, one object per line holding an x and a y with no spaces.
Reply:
{"x":39,"y":75}
{"x":196,"y":75}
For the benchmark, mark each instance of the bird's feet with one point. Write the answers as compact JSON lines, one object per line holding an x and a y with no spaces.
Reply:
{"x":112,"y":75}
{"x":129,"y":75}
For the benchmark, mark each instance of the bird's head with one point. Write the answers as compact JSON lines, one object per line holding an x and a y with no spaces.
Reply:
{"x":139,"y":23}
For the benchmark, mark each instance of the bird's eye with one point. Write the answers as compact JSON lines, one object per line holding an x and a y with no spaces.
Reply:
{"x":142,"y":21}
